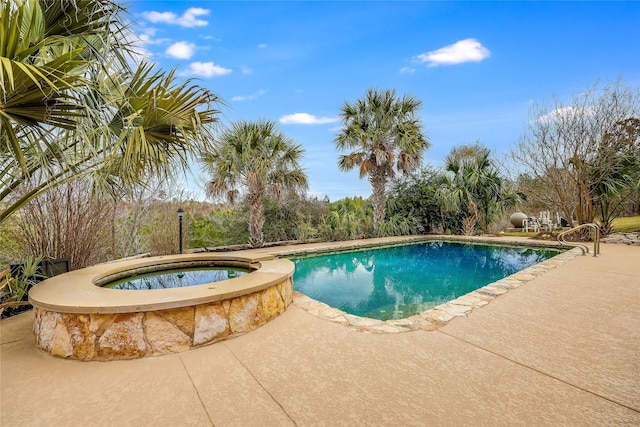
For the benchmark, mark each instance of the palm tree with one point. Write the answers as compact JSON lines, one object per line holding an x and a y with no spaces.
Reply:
{"x":72,"y":107}
{"x":256,"y":158}
{"x":385,"y":136}
{"x":614,"y":172}
{"x":475,"y":184}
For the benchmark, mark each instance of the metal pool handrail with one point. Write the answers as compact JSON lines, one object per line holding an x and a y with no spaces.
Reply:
{"x":584,"y":248}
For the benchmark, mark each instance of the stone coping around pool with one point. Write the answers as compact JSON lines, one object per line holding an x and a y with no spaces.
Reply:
{"x":440,"y":315}
{"x":347,"y":245}
{"x":77,"y":292}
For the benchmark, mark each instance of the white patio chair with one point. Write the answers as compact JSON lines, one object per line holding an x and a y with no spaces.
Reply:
{"x":531,"y":223}
{"x":545,"y":220}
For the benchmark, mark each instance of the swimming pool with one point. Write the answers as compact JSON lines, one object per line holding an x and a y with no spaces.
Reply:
{"x":401,"y":281}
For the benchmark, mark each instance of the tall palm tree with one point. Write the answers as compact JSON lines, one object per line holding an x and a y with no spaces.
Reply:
{"x":385,"y":136}
{"x":254,"y":158}
{"x":71,"y":106}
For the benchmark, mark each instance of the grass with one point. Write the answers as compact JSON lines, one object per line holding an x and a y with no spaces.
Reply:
{"x":626,"y":225}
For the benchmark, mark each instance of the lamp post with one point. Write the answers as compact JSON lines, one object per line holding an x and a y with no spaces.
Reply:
{"x":180,"y":215}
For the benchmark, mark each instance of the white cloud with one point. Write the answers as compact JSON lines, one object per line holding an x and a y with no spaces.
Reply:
{"x":245,"y":69}
{"x":407,"y":70}
{"x":249,"y":97}
{"x":181,"y":50}
{"x":147,"y":36}
{"x":206,"y":69}
{"x":154,"y":16}
{"x":468,"y":50}
{"x":188,"y":19}
{"x":262,"y":45}
{"x":306,"y":119}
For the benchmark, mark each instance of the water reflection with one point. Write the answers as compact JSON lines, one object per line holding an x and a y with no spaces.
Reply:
{"x":177,"y":278}
{"x":401,"y":281}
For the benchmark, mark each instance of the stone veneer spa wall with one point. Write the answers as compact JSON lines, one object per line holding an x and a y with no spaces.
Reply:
{"x":150,"y":330}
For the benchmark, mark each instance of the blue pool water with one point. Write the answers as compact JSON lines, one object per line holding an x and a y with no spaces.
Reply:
{"x":177,"y":278}
{"x":398,"y":282}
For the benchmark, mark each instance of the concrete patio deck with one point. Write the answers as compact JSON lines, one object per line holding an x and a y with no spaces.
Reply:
{"x":564,"y":349}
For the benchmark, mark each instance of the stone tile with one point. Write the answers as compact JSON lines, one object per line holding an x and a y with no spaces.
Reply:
{"x":362,"y":321}
{"x":244,"y":314}
{"x":61,"y":344}
{"x":123,"y":339}
{"x":525,"y":277}
{"x":163,"y":335}
{"x":288,"y":292}
{"x":492,"y":290}
{"x":470,"y":300}
{"x":437,"y":316}
{"x":454,"y":309}
{"x":271,"y":303}
{"x":182,"y":318}
{"x":99,"y":322}
{"x":81,"y":339}
{"x":211,"y":323}
{"x":45,"y":327}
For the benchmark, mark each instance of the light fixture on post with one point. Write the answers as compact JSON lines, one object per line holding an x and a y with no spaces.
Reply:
{"x":180,"y":215}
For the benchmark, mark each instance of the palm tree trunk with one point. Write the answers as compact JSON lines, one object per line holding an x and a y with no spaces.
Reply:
{"x":378,"y":183}
{"x":256,"y":218}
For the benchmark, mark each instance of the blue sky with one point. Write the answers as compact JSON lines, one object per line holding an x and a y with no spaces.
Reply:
{"x":477,"y":66}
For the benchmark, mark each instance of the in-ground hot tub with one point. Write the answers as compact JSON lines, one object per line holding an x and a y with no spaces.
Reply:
{"x":77,"y":317}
